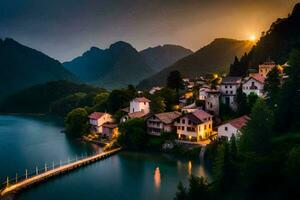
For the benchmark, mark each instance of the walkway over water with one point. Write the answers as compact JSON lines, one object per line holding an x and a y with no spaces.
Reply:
{"x":54,"y":171}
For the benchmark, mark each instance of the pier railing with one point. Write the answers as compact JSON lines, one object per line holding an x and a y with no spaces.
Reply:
{"x":51,"y":169}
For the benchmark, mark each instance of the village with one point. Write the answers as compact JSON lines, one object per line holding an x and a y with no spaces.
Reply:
{"x":198,"y":122}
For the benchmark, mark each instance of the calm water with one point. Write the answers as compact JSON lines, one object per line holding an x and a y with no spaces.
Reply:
{"x":29,"y":141}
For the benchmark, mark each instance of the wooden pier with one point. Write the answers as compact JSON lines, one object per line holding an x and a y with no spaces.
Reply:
{"x":16,"y":187}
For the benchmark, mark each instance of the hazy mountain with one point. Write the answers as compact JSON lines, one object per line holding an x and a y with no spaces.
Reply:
{"x":215,"y":57}
{"x":160,"y":57}
{"x":117,"y":66}
{"x":21,"y":66}
{"x":276,"y":43}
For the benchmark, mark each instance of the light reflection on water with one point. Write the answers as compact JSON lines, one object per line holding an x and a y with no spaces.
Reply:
{"x":157,"y":179}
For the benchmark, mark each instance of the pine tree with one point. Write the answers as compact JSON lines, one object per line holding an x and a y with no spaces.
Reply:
{"x":272,"y":86}
{"x":241,"y":99}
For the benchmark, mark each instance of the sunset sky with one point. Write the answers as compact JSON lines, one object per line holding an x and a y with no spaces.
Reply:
{"x":64,"y":29}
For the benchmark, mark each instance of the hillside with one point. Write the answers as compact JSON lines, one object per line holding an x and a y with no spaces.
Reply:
{"x":21,"y":66}
{"x":276,"y":44}
{"x":37,"y":98}
{"x":160,"y":57}
{"x":117,"y":66}
{"x":215,"y":57}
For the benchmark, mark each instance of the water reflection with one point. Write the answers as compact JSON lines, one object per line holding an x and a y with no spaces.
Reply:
{"x":190,"y":167}
{"x":157,"y":178}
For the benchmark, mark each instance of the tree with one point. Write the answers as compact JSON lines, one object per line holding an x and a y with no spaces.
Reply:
{"x":233,"y":147}
{"x":118,"y":99}
{"x":252,"y":98}
{"x":272,"y":86}
{"x":76,"y":123}
{"x":181,"y":194}
{"x":198,"y":188}
{"x":157,"y":104}
{"x":241,"y":99}
{"x":174,"y":81}
{"x":169,"y":96}
{"x":256,"y":136}
{"x":133,"y":134}
{"x":287,"y":115}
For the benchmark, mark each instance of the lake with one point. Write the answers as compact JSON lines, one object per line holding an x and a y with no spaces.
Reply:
{"x":30,"y":141}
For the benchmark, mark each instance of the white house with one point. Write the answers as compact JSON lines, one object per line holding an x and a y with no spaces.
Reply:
{"x":232,"y":127}
{"x":203,"y":93}
{"x":161,"y":122}
{"x":139,"y":108}
{"x":97,"y":119}
{"x":254,"y":84}
{"x":266,"y":67}
{"x":194,"y":126}
{"x":228,"y":89}
{"x":140,"y":104}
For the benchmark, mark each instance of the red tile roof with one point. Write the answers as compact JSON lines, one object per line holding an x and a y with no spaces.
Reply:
{"x":141,"y":99}
{"x":110,"y":125}
{"x":257,"y":77}
{"x":139,"y":114}
{"x":239,"y":122}
{"x":199,"y":116}
{"x":96,"y":115}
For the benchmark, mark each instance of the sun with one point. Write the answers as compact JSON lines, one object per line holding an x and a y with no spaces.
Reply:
{"x":252,"y":38}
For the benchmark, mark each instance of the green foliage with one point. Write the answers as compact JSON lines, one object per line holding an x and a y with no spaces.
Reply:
{"x":119,"y":99}
{"x":288,"y":112}
{"x":272,"y":86}
{"x":257,"y":134}
{"x":38,"y":98}
{"x":198,"y":189}
{"x":133,"y":134}
{"x":169,"y":96}
{"x":242,"y":104}
{"x":64,"y":105}
{"x":174,"y":81}
{"x":76,"y":123}
{"x":157,"y":104}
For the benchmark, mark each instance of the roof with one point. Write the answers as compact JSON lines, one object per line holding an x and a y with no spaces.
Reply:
{"x":239,"y":122}
{"x":257,"y":77}
{"x":110,"y":125}
{"x":231,"y":80}
{"x":96,"y":115}
{"x":141,"y":99}
{"x":139,"y":114}
{"x":199,"y":116}
{"x":168,"y":117}
{"x":191,"y":106}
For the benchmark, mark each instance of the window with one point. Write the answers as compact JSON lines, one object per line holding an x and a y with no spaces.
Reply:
{"x":190,"y":122}
{"x":225,"y":86}
{"x":226,"y":92}
{"x":183,"y":121}
{"x":230,"y":86}
{"x":226,"y":128}
{"x":209,"y":126}
{"x":204,"y":127}
{"x":231,"y":92}
{"x":182,"y":128}
{"x":144,"y":103}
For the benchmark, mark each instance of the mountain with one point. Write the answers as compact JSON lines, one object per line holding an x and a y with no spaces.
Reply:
{"x":117,"y":66}
{"x":215,"y":57}
{"x":275,"y":44}
{"x":21,"y":66}
{"x":160,"y":57}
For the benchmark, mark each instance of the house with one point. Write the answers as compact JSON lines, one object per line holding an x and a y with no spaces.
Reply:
{"x":266,"y":67}
{"x":212,"y":101}
{"x":161,"y":122}
{"x":232,"y":127}
{"x":254,"y":84}
{"x":97,"y":119}
{"x":139,"y":104}
{"x":110,"y":130}
{"x":229,"y":86}
{"x":154,"y":90}
{"x":194,"y":126}
{"x":139,"y":108}
{"x":203,"y":93}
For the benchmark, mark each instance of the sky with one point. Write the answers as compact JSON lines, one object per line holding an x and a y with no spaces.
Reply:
{"x":64,"y":29}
